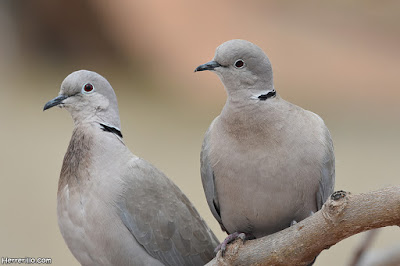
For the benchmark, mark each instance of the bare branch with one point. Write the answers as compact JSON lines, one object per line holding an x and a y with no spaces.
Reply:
{"x":343,"y":215}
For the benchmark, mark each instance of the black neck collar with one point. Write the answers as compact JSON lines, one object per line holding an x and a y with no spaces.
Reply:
{"x":111,"y":129}
{"x":270,"y":94}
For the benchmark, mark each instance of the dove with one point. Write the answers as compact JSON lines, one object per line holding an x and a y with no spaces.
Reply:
{"x":265,"y":162}
{"x":113,"y":207}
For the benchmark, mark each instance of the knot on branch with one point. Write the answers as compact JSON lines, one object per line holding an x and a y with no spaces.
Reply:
{"x":335,"y":205}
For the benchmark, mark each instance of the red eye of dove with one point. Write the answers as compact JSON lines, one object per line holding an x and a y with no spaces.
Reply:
{"x":88,"y":87}
{"x":239,"y":63}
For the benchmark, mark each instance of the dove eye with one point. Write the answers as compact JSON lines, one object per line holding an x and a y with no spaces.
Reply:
{"x":87,"y":88}
{"x":239,"y":63}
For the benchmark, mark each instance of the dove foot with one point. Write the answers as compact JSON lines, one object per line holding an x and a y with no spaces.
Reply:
{"x":230,"y":238}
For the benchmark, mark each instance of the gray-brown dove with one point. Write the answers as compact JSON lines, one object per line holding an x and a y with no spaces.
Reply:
{"x":113,"y":207}
{"x":265,"y":163}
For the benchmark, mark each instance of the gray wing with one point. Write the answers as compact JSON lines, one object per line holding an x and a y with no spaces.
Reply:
{"x":163,"y":220}
{"x":208,"y":179}
{"x":327,"y":181}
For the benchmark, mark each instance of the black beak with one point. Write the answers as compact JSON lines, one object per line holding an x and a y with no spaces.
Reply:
{"x":208,"y":66}
{"x":56,"y":101}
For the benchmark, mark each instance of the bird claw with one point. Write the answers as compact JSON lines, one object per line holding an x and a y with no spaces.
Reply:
{"x":230,"y":238}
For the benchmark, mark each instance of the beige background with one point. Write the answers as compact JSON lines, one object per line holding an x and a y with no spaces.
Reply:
{"x":339,"y":59}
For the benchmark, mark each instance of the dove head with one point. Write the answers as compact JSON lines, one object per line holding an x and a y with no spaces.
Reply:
{"x":88,"y":97}
{"x":243,"y":68}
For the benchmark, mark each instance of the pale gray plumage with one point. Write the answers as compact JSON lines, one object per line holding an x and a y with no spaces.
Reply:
{"x":113,"y":207}
{"x":265,"y":162}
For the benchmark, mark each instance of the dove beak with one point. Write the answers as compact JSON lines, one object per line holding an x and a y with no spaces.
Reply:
{"x":207,"y":66}
{"x":56,"y":101}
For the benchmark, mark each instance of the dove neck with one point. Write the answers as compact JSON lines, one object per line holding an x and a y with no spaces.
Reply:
{"x":109,"y":117}
{"x":251,"y":110}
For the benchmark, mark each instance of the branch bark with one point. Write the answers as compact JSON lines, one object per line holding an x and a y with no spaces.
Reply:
{"x":343,"y":215}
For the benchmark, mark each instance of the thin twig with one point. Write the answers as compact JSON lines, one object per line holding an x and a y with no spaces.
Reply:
{"x":365,"y":244}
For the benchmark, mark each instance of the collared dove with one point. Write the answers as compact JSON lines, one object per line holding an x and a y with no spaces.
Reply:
{"x":113,"y":207}
{"x":265,"y":163}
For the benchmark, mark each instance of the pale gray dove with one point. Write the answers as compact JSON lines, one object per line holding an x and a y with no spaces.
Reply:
{"x":265,"y":163}
{"x":113,"y":207}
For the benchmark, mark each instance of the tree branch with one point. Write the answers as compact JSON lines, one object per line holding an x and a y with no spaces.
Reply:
{"x":343,"y":215}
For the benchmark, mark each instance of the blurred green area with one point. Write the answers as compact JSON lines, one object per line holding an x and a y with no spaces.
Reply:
{"x":340,"y":59}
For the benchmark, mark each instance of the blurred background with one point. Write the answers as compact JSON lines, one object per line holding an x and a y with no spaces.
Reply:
{"x":339,"y":59}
